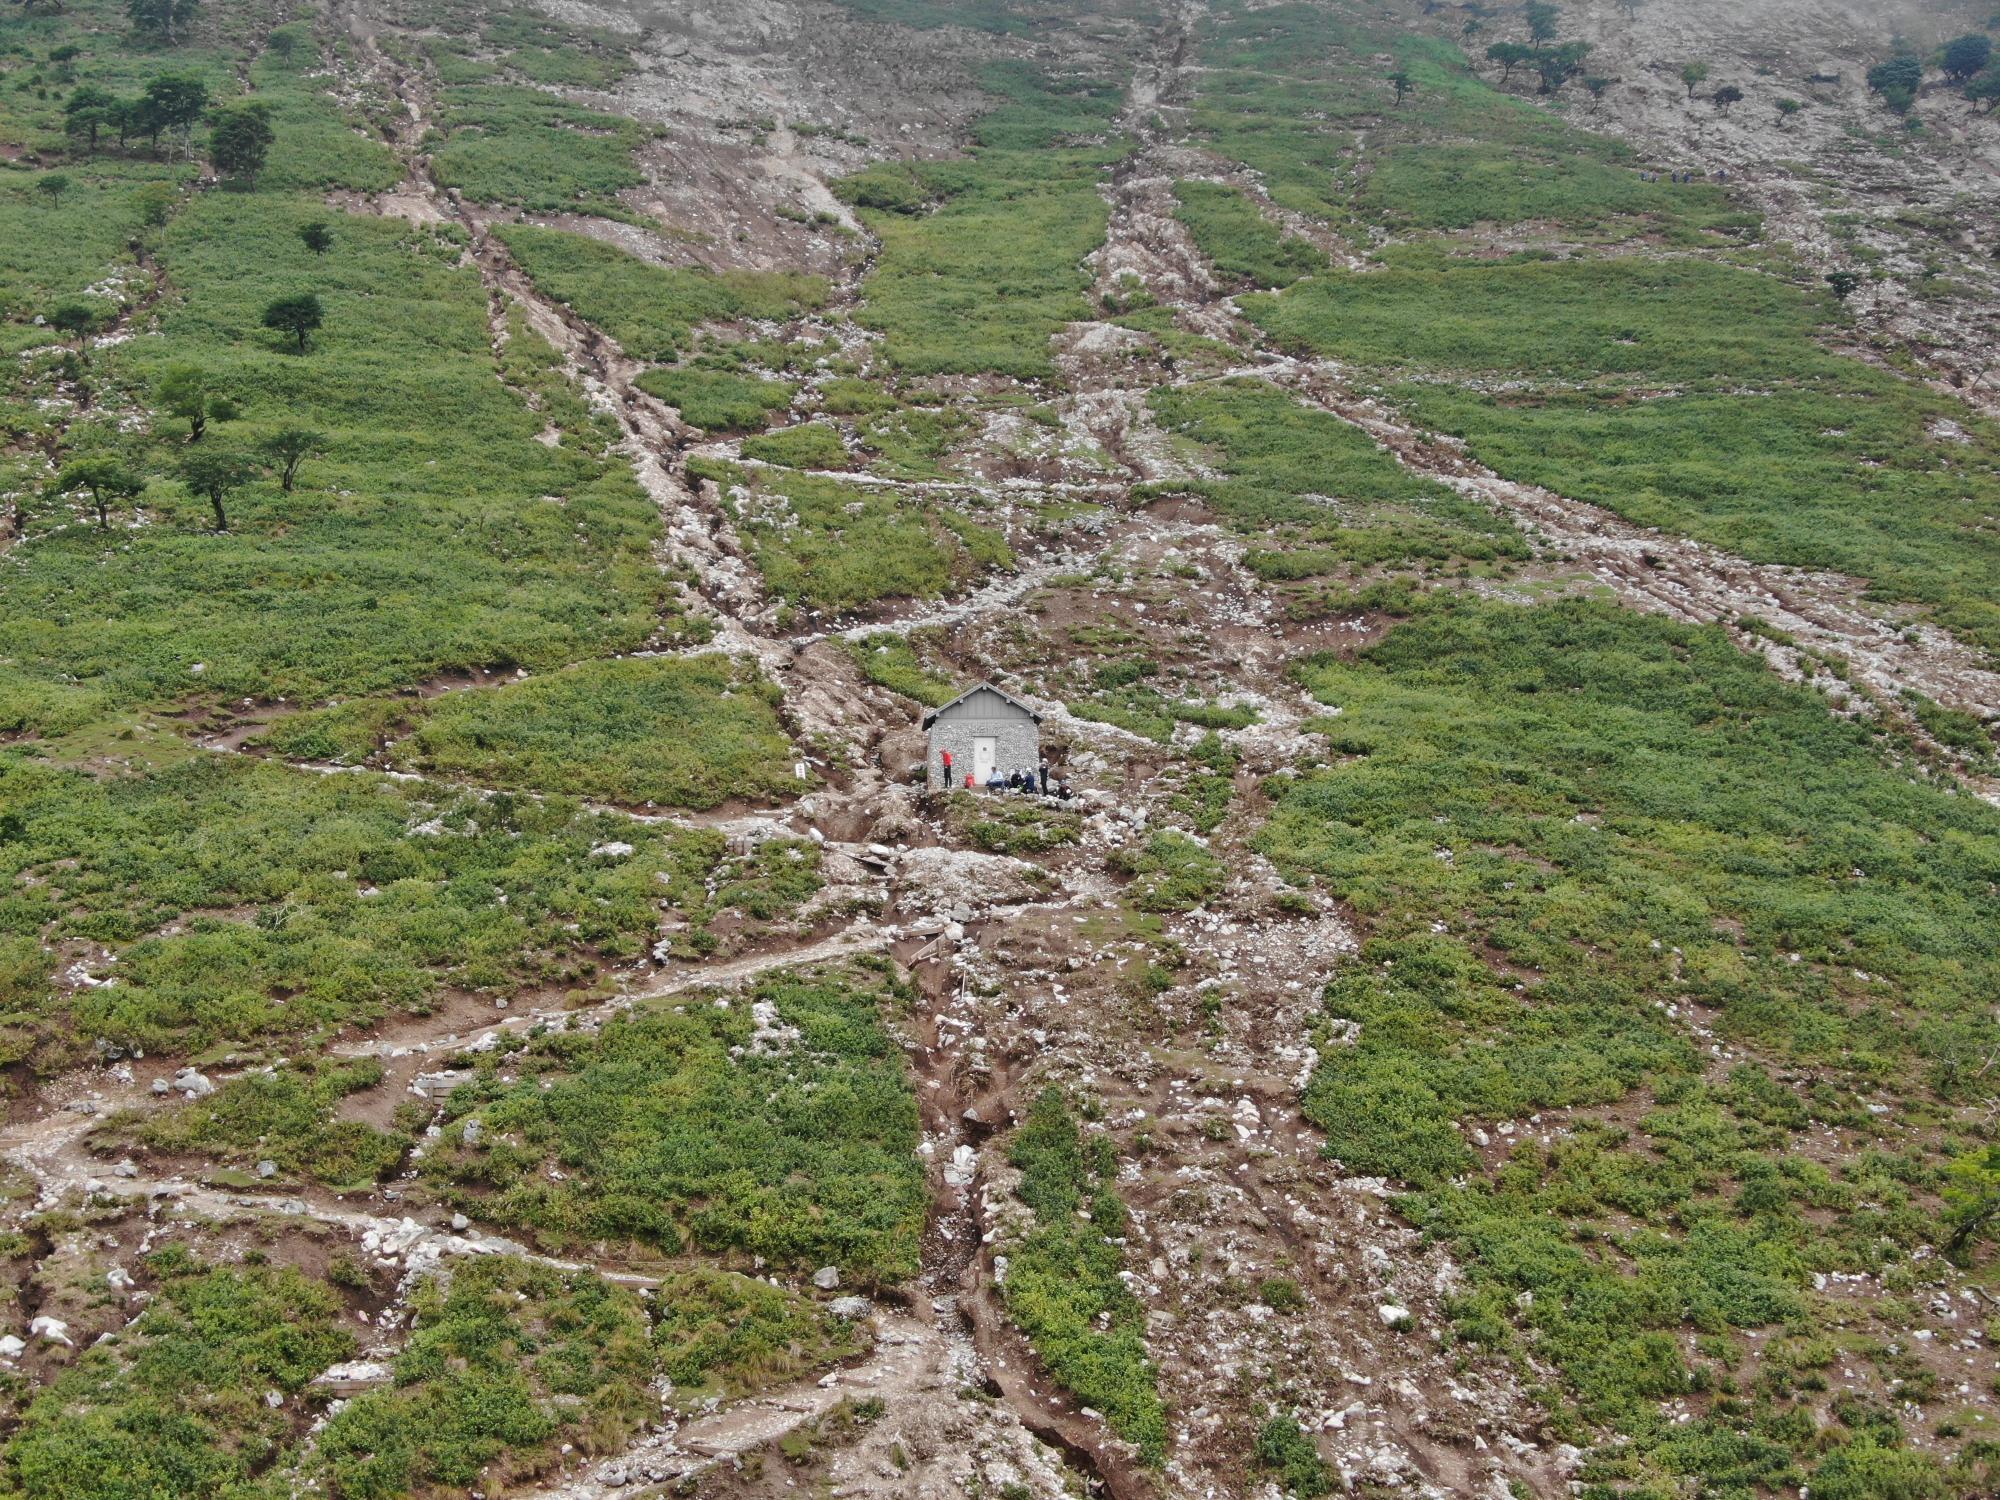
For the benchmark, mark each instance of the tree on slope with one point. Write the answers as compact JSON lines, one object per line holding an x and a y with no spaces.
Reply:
{"x":1897,"y":81}
{"x":88,"y":110}
{"x":1694,"y":75}
{"x":298,"y":315}
{"x":104,"y":478}
{"x":168,"y":20}
{"x":1966,"y":55}
{"x":239,"y":138}
{"x":1510,"y":55}
{"x":189,"y":392}
{"x":216,"y":473}
{"x":171,"y":103}
{"x":290,"y":447}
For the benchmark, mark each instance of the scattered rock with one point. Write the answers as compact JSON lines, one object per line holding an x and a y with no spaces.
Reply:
{"x":826,"y":1278}
{"x":50,"y":1330}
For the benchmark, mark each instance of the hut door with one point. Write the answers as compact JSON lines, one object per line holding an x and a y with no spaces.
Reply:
{"x":985,"y":755}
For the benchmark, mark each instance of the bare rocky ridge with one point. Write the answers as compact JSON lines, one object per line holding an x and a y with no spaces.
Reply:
{"x":1022,"y":972}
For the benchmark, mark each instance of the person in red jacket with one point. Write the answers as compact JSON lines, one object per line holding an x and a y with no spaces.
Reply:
{"x":947,"y":767}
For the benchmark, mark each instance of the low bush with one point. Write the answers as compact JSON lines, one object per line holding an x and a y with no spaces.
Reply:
{"x":1062,"y":1285}
{"x":780,"y":1124}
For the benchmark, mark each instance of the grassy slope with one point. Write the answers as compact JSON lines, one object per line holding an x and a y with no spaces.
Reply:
{"x":698,"y":1125}
{"x":1631,"y":816}
{"x":982,"y":260}
{"x":651,"y":309}
{"x":1571,"y":830}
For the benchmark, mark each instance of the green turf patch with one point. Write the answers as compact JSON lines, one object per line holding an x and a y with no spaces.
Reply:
{"x":651,"y":309}
{"x":810,"y":445}
{"x":1321,"y":487}
{"x":778,"y":1123}
{"x":1557,"y":823}
{"x":1239,"y":241}
{"x":435,"y":534}
{"x":982,"y":259}
{"x":892,"y":661}
{"x":286,"y":1116}
{"x":508,"y":1361}
{"x":681,"y":731}
{"x":499,"y":144}
{"x":175,"y":1403}
{"x":246,"y":900}
{"x":719,"y":400}
{"x":826,"y":544}
{"x":720,"y":1331}
{"x":1751,"y":436}
{"x":1290,"y":89}
{"x":1062,"y":1285}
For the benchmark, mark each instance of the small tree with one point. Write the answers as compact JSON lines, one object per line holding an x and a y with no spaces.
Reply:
{"x":172,"y":103}
{"x":284,"y":42}
{"x":1403,"y":85}
{"x":318,"y":236}
{"x":1694,"y":75}
{"x":239,"y":139}
{"x":1966,"y":55}
{"x":1556,"y":66}
{"x":78,"y":320}
{"x":1844,"y":284}
{"x":188,"y":392}
{"x":1972,"y":1198}
{"x":1788,"y":110}
{"x":1984,"y":91}
{"x":1598,"y":87}
{"x":298,"y":315}
{"x":105,"y":479}
{"x":289,"y":447}
{"x":1510,"y":55}
{"x":52,"y":186}
{"x":1897,"y":81}
{"x":88,"y":110}
{"x":1542,"y":21}
{"x":216,"y":473}
{"x":1726,"y":98}
{"x":166,"y":20}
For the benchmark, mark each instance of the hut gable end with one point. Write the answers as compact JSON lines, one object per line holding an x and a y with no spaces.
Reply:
{"x":983,"y":728}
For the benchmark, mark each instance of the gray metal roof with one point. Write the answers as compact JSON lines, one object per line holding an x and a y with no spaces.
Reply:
{"x":931,"y":717}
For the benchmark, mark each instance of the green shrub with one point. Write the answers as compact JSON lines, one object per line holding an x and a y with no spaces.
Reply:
{"x":651,"y":310}
{"x":1171,"y":872}
{"x":174,"y":1405}
{"x":678,"y":1125}
{"x":981,"y":261}
{"x":286,"y":1115}
{"x":1062,"y":1284}
{"x":1285,"y":1451}
{"x":1239,"y":241}
{"x":811,"y":445}
{"x":718,"y":399}
{"x":714,"y":1328}
{"x":506,"y":1359}
{"x":682,"y":731}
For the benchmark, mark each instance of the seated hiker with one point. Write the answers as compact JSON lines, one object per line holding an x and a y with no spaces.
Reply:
{"x":995,"y":782}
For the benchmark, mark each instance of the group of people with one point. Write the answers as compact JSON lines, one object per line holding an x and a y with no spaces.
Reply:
{"x":1038,"y":780}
